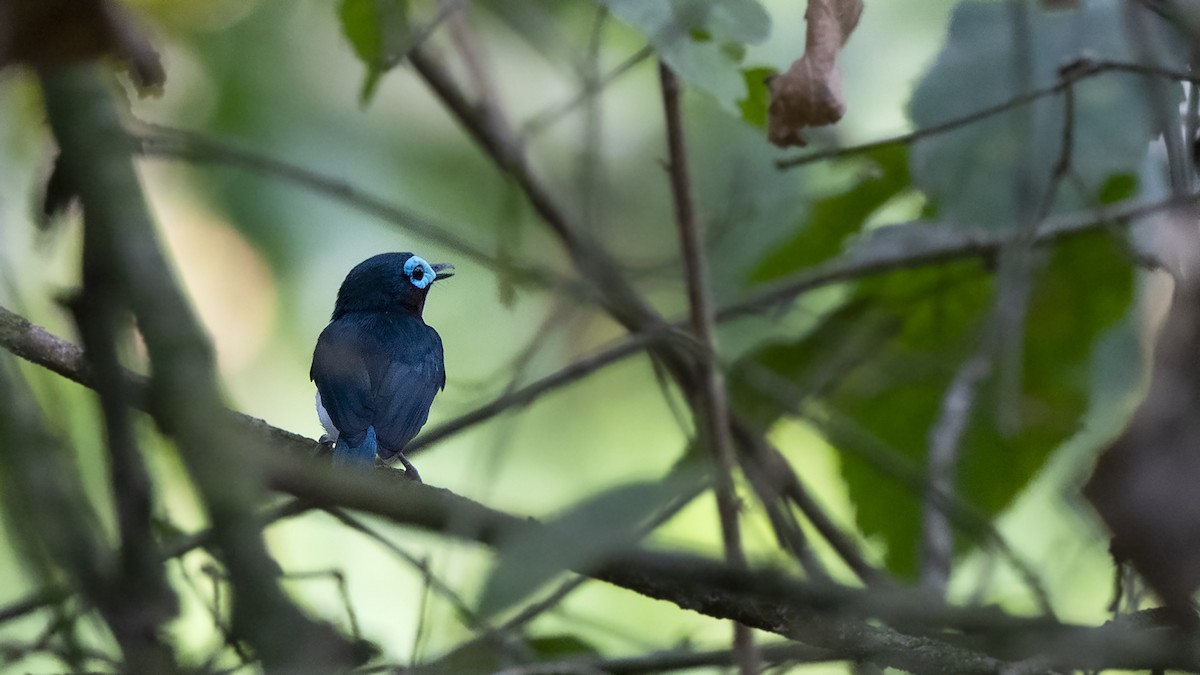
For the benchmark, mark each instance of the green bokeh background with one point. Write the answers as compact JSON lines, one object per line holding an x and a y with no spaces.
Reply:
{"x":262,"y":261}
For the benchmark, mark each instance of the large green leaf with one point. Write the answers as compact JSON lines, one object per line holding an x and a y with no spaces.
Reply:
{"x":973,"y":172}
{"x":904,"y":336}
{"x":701,"y":40}
{"x":378,"y":30}
{"x":835,"y":219}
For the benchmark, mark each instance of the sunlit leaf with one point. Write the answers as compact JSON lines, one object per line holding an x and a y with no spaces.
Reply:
{"x":981,"y":173}
{"x":758,"y":96}
{"x":836,"y":218}
{"x":1117,"y":188}
{"x":561,"y":645}
{"x":377,"y":29}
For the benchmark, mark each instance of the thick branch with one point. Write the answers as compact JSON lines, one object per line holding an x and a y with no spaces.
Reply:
{"x":95,"y":153}
{"x":761,"y":599}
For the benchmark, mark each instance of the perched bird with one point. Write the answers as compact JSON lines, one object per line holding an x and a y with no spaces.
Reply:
{"x":377,"y":365}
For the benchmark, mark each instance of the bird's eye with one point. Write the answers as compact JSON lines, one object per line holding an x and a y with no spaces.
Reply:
{"x":420,"y":273}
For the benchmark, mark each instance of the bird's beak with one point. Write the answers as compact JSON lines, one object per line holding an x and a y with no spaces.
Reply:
{"x":442,"y":271}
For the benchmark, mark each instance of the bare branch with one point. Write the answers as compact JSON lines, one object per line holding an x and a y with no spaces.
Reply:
{"x":161,"y":141}
{"x":1080,"y":70}
{"x":712,"y":410}
{"x":95,"y":152}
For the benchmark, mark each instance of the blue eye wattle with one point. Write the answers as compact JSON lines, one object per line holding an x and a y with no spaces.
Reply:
{"x":419,"y":272}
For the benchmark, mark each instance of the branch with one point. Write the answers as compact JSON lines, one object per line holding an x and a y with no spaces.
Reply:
{"x":95,"y":152}
{"x":555,"y":112}
{"x":1069,"y":74}
{"x":41,"y":347}
{"x":37,"y":345}
{"x":760,"y":598}
{"x":140,"y":601}
{"x":931,"y":247}
{"x":712,"y":410}
{"x":937,"y":542}
{"x":661,"y":662}
{"x":180,"y":547}
{"x":155,"y":140}
{"x":615,"y":293}
{"x":487,"y":128}
{"x":822,"y":614}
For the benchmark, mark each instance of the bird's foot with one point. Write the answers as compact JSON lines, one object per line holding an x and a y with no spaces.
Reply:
{"x":410,"y":471}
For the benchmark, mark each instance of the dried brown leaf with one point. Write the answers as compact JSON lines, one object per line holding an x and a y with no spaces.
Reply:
{"x":809,"y":94}
{"x":57,"y":32}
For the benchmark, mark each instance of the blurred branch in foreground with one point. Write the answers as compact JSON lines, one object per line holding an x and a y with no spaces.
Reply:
{"x":821,"y":614}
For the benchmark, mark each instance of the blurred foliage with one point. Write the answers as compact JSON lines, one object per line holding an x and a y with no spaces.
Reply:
{"x":835,"y":219}
{"x":704,"y":41}
{"x":975,"y":173}
{"x":865,"y":363}
{"x":378,"y":31}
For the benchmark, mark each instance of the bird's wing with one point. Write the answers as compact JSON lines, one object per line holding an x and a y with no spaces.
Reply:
{"x":340,"y":371}
{"x":414,"y":375}
{"x":380,"y":371}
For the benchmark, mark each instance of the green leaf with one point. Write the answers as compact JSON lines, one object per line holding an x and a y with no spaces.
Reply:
{"x":881,"y":365}
{"x":377,"y":30}
{"x":809,"y":366}
{"x":834,"y":219}
{"x":590,"y":531}
{"x":975,"y":172}
{"x":561,"y":646}
{"x":1118,"y":188}
{"x":701,"y":40}
{"x":758,"y":96}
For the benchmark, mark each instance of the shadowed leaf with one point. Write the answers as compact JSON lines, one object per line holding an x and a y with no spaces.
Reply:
{"x":702,"y":41}
{"x":592,"y":529}
{"x":885,"y":371}
{"x":973,"y":172}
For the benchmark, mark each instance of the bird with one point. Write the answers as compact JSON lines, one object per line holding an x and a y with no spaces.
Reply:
{"x":378,"y":365}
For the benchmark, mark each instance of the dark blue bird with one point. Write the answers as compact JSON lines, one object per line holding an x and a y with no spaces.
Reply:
{"x":377,"y":364}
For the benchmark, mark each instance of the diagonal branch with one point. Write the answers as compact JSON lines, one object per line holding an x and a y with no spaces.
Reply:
{"x":161,"y":141}
{"x":819,"y":613}
{"x":95,"y":153}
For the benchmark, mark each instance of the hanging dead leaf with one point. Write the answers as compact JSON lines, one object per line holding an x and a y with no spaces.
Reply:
{"x":809,"y":94}
{"x":57,"y":32}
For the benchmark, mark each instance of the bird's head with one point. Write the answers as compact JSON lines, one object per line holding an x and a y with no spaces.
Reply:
{"x":389,"y":282}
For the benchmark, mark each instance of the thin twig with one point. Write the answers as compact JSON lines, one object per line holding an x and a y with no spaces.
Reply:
{"x":552,"y":114}
{"x":162,"y":141}
{"x":177,"y":549}
{"x":1082,"y":70}
{"x":937,"y":542}
{"x":525,"y":395}
{"x":713,"y":408}
{"x":461,"y":608}
{"x":890,"y":462}
{"x":947,"y":247}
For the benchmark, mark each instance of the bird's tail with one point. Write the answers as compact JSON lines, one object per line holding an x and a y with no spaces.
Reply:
{"x":361,"y":457}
